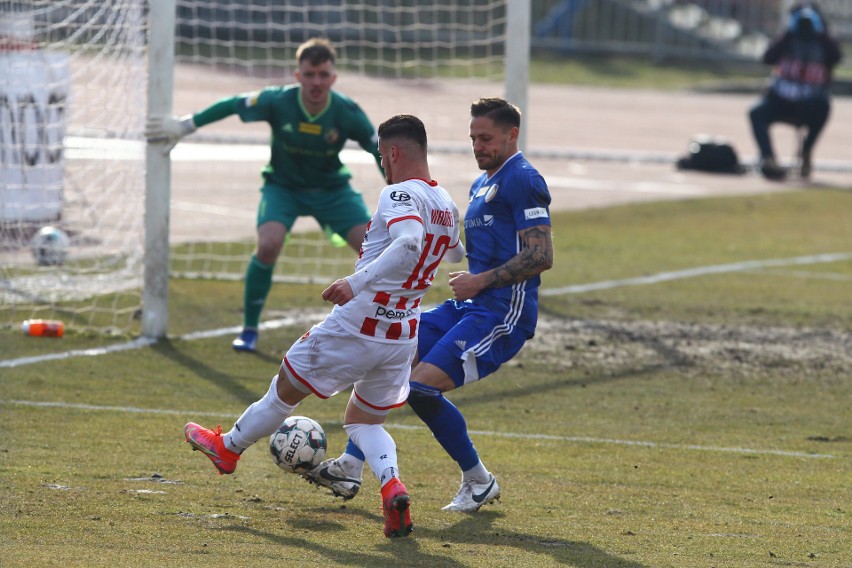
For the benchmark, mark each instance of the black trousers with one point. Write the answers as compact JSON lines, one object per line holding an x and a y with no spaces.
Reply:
{"x":811,"y":114}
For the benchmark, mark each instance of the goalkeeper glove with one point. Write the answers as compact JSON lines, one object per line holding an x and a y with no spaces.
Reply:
{"x":169,"y":130}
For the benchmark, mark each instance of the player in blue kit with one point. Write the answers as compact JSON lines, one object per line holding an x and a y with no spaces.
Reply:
{"x":494,"y":309}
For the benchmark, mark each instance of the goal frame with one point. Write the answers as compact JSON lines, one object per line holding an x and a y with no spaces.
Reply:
{"x":162,"y":19}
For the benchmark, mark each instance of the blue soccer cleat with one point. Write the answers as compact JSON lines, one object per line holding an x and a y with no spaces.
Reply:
{"x":247,"y":341}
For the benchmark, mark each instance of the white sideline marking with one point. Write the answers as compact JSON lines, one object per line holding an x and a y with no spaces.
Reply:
{"x":699,"y":271}
{"x":145,"y":341}
{"x":574,"y":439}
{"x":93,"y":352}
{"x":572,"y":289}
{"x":599,"y":185}
{"x":807,"y":275}
{"x":89,"y":148}
{"x":210,"y":209}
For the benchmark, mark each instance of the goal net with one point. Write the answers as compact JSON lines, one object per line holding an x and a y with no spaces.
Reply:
{"x":72,"y":100}
{"x":73,"y":77}
{"x":400,"y":56}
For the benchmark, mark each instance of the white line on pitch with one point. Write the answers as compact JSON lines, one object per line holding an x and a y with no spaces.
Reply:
{"x":490,"y":433}
{"x":93,"y":352}
{"x":210,"y":209}
{"x":302,"y":318}
{"x":598,"y":185}
{"x":805,"y":274}
{"x":572,"y":289}
{"x":699,"y":271}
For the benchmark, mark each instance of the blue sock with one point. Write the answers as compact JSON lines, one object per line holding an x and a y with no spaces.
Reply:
{"x":446,"y":423}
{"x":354,"y":451}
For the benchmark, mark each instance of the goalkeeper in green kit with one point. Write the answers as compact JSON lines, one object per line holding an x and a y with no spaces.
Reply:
{"x":310,"y":124}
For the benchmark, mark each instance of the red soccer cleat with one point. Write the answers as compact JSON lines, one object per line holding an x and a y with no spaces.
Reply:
{"x":396,"y":505}
{"x":210,"y":442}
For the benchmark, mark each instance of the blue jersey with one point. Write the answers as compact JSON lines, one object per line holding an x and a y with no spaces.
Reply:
{"x":514,"y":198}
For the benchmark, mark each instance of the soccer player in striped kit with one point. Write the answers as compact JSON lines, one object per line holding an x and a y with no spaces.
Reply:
{"x":310,"y":124}
{"x":369,"y":339}
{"x":494,"y":307}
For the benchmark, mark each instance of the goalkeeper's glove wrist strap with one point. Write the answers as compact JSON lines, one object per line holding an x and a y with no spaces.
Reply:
{"x":187,"y":125}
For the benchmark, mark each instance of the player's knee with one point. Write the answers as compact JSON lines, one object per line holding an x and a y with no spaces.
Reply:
{"x":424,"y":400}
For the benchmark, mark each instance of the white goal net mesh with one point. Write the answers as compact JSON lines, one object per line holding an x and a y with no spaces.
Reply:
{"x":392,"y":56}
{"x":72,"y":100}
{"x":73,"y":79}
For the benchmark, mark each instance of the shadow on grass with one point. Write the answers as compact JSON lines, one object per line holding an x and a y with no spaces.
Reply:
{"x":407,"y":551}
{"x":479,"y":529}
{"x":220,"y":380}
{"x":474,"y":530}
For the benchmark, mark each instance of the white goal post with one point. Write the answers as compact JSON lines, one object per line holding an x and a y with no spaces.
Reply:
{"x":136,"y":217}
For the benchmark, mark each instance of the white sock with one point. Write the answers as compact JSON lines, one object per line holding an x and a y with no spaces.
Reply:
{"x":258,"y":420}
{"x":352,"y":466}
{"x":477,"y":473}
{"x":378,"y":447}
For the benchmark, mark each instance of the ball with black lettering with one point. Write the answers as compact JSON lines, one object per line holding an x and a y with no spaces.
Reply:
{"x":299,"y":445}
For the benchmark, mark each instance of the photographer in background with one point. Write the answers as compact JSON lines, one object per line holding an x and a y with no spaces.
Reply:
{"x":803,"y":59}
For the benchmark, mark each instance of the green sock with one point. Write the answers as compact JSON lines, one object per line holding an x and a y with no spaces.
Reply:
{"x":258,"y":284}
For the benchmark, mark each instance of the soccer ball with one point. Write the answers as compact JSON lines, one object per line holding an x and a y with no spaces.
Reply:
{"x":299,"y":445}
{"x":50,"y":246}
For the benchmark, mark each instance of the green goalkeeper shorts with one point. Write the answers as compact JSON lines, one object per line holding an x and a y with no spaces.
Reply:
{"x":336,"y":210}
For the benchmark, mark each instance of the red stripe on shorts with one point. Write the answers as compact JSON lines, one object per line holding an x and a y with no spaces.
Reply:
{"x":302,"y":380}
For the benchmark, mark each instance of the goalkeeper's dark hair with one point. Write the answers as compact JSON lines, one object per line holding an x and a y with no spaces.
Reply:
{"x":316,"y":50}
{"x":406,"y":126}
{"x":501,"y":111}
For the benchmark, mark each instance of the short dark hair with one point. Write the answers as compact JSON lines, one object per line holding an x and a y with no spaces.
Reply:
{"x":316,"y":50}
{"x":405,"y":126}
{"x":501,"y":111}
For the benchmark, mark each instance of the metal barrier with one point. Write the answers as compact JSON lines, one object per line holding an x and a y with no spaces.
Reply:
{"x":734,"y":30}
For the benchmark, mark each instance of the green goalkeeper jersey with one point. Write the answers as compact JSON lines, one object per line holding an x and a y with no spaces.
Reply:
{"x":304,"y":149}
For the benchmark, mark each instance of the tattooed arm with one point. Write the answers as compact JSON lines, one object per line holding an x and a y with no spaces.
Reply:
{"x":535,"y":257}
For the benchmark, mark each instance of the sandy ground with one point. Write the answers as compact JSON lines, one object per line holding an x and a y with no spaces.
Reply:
{"x":596,"y":147}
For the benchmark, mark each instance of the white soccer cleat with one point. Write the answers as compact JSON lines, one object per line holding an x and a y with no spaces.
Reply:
{"x":330,"y":474}
{"x":473,"y":495}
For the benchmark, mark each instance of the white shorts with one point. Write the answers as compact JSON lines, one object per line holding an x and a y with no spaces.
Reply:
{"x":329,"y":359}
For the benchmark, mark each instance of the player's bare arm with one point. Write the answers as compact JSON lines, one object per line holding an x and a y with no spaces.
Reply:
{"x":535,"y":257}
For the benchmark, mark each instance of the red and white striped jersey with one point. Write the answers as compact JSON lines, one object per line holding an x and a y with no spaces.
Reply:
{"x":388,"y":309}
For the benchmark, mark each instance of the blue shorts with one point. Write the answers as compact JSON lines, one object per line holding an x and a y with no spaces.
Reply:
{"x":467,"y":341}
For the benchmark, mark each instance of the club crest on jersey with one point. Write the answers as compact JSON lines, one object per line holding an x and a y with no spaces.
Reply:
{"x":332,"y":136}
{"x":489,"y":191}
{"x":305,"y":336}
{"x":399,"y":196}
